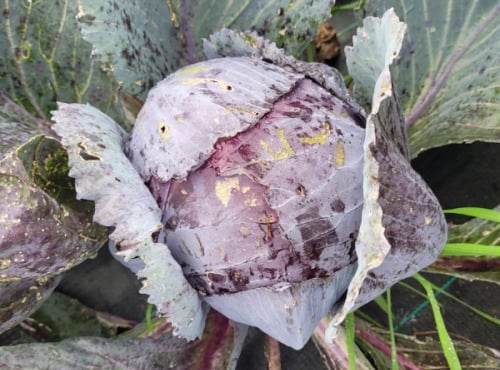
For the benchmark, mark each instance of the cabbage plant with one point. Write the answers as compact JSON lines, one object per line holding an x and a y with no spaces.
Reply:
{"x":270,"y":192}
{"x":252,"y":183}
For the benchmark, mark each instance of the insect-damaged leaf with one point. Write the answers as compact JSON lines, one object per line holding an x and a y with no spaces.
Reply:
{"x":230,"y":43}
{"x":402,"y":228}
{"x":141,"y":53}
{"x":103,"y":174}
{"x":43,"y":230}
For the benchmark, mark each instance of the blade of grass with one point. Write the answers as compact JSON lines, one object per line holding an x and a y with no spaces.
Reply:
{"x":484,"y":213}
{"x":422,"y":305}
{"x":365,"y":334}
{"x":368,"y":318}
{"x":347,"y":29}
{"x":470,"y":249}
{"x":477,"y":311}
{"x":351,"y":346}
{"x":394,"y":353}
{"x":149,"y":314}
{"x":412,"y":289}
{"x":355,"y":5}
{"x":446,"y":343}
{"x":382,"y":303}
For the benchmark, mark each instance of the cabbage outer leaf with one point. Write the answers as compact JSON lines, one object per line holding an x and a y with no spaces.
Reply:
{"x":103,"y":174}
{"x":43,"y":230}
{"x":403,"y":228}
{"x":139,"y":53}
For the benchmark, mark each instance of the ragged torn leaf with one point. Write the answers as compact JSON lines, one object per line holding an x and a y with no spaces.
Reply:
{"x":403,"y":228}
{"x":229,"y":43}
{"x":375,"y":46}
{"x":103,"y":174}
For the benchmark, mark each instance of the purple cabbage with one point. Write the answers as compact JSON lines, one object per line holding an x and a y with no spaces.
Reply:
{"x":257,"y":168}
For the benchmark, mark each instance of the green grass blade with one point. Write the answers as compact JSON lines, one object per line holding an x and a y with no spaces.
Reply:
{"x":355,"y":5}
{"x":347,"y":29}
{"x":422,"y":305}
{"x":382,"y":303}
{"x":149,"y":314}
{"x":470,"y":249}
{"x":484,"y":213}
{"x":412,"y":289}
{"x":446,"y":343}
{"x":477,"y":311}
{"x":351,"y":345}
{"x":394,"y":353}
{"x":368,"y":319}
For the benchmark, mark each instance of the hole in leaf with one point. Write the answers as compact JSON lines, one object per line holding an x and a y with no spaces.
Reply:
{"x":85,"y":155}
{"x":300,"y":190}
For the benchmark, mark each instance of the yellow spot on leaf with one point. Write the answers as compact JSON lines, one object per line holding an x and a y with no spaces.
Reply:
{"x":4,"y":263}
{"x":235,"y":108}
{"x":286,"y":150}
{"x":223,"y":189}
{"x":222,"y":252}
{"x":249,"y":40}
{"x":427,"y":220}
{"x":138,"y":82}
{"x":193,"y":69}
{"x":25,"y":49}
{"x":321,"y":138}
{"x":223,"y":85}
{"x":163,"y":130}
{"x":339,"y":154}
{"x":251,"y":202}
